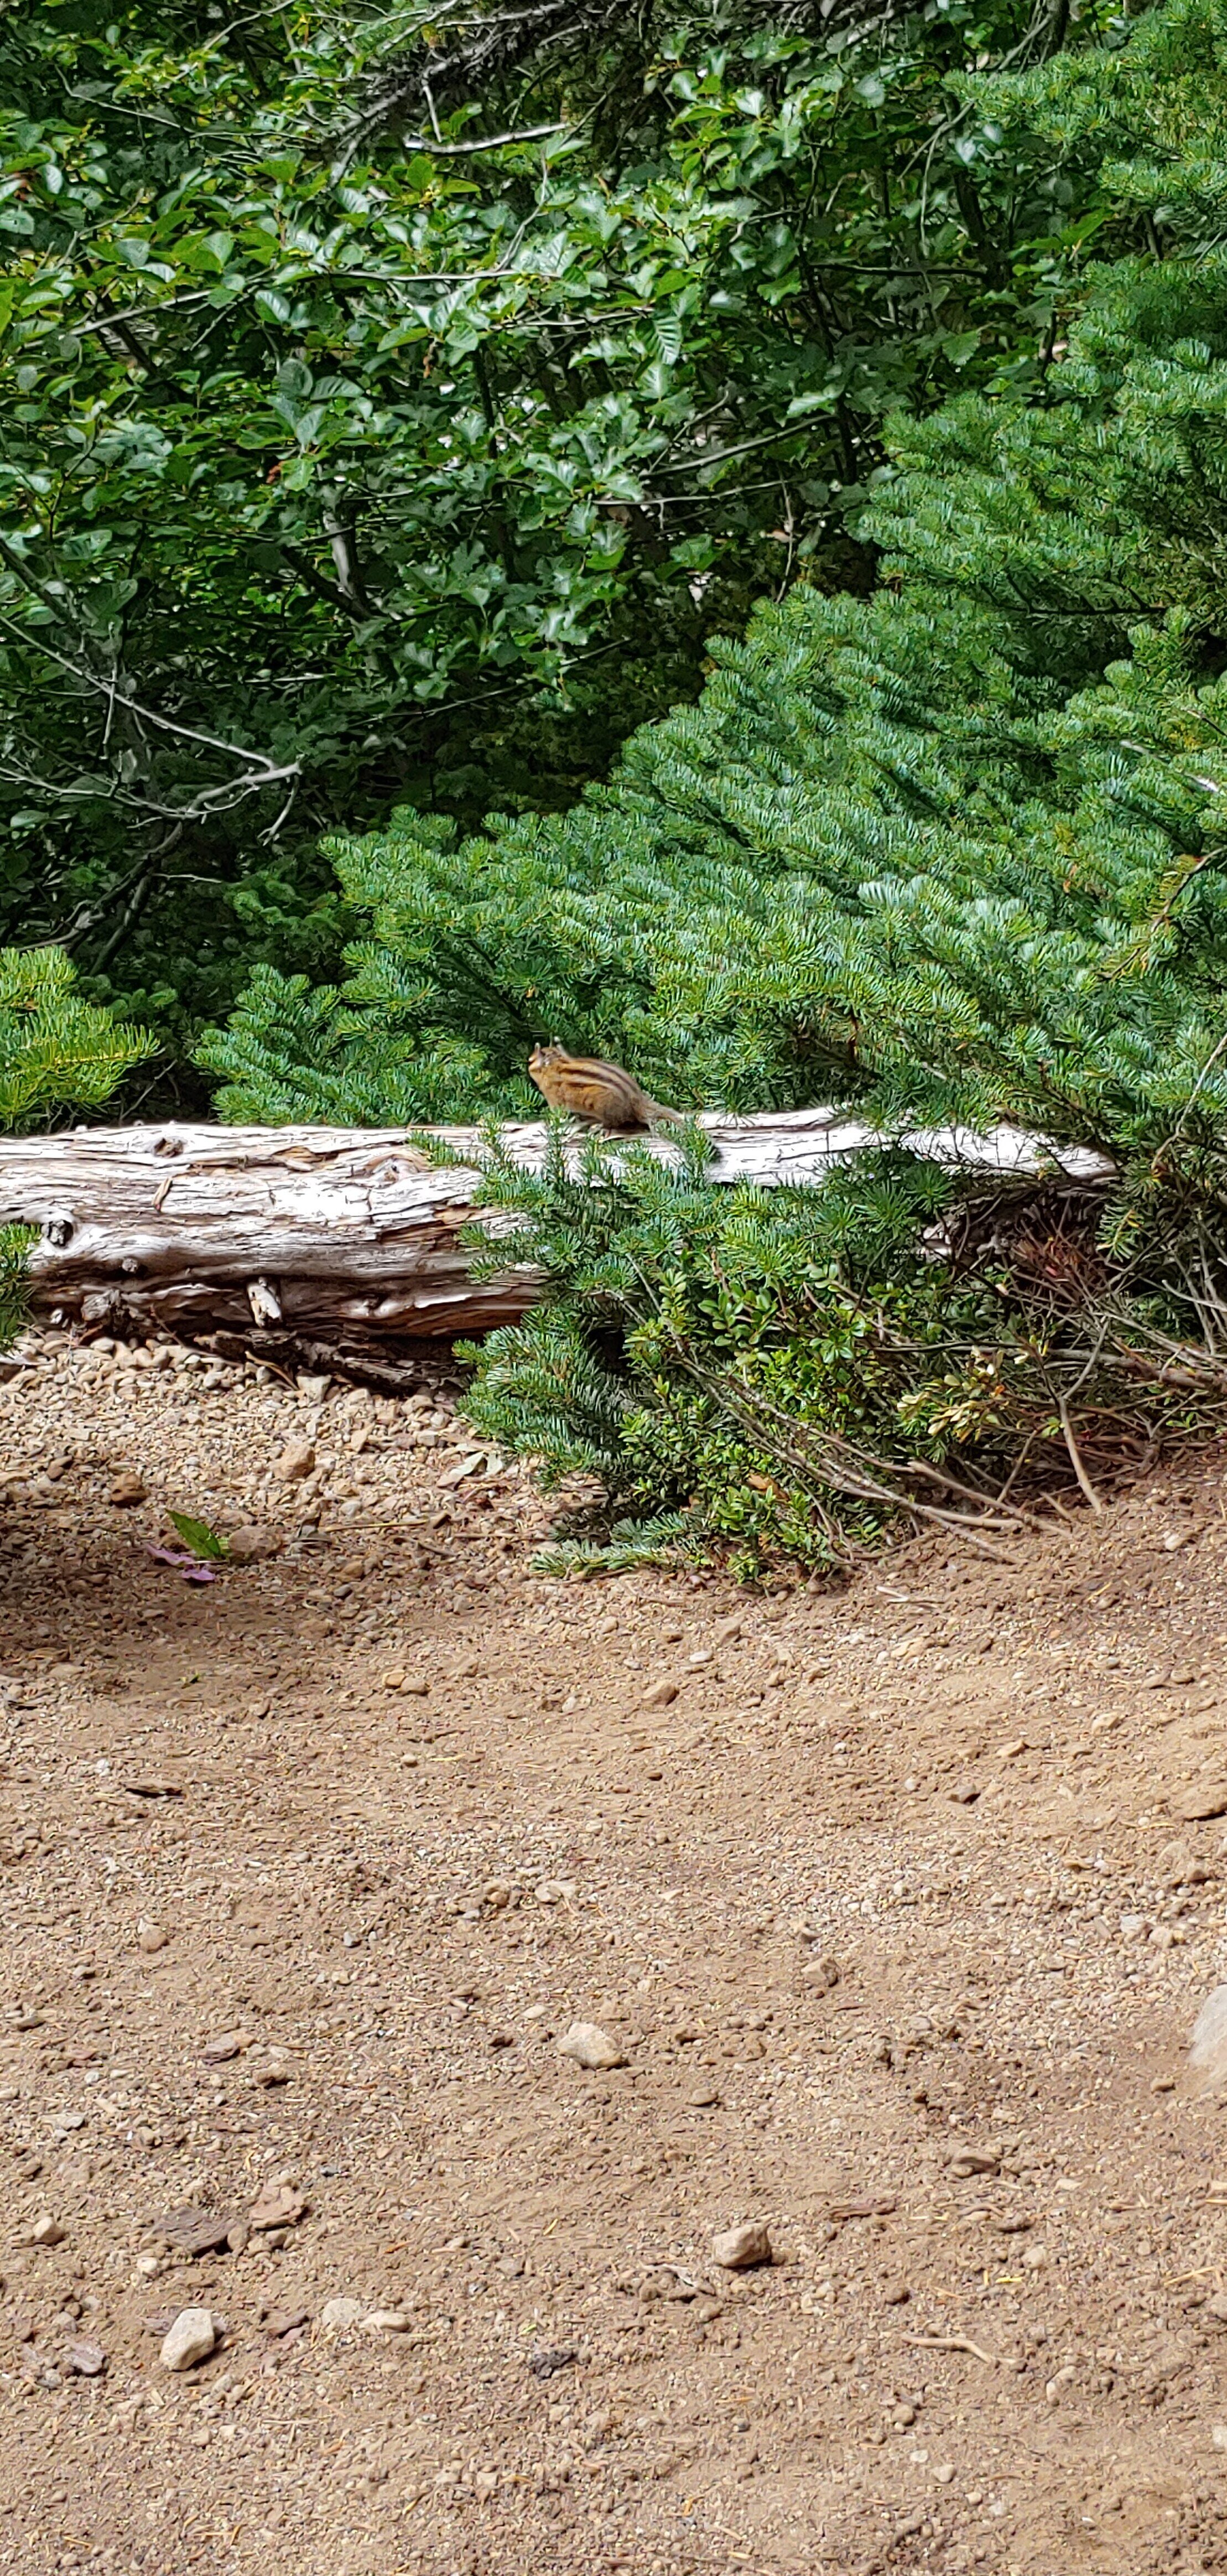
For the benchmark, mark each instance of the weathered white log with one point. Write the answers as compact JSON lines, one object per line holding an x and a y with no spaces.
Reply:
{"x":342,"y":1236}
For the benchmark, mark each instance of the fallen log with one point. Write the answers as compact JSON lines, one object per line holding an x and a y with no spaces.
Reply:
{"x":325,"y":1240}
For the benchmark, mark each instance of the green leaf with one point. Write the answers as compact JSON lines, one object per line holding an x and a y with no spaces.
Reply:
{"x":204,"y":1542}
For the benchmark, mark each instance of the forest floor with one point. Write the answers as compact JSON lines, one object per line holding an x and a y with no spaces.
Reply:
{"x":885,"y":1897}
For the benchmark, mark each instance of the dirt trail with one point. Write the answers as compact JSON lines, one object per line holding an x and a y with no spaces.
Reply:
{"x":882,"y":1896}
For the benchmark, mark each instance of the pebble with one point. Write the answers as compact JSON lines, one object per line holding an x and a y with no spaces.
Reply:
{"x":279,"y":2205}
{"x":87,"y":2359}
{"x":127,"y":1488}
{"x":704,"y":2098}
{"x":823,"y":1974}
{"x":246,"y":1546}
{"x":1194,"y":1806}
{"x":151,"y":1937}
{"x":192,"y":2231}
{"x":219,"y":2051}
{"x":284,"y":2321}
{"x":387,"y":2321}
{"x":590,"y":2046}
{"x":47,"y":2231}
{"x":660,"y":1695}
{"x":337,"y":2314}
{"x":896,"y":2294}
{"x":944,"y":2473}
{"x":1208,"y":2047}
{"x":739,"y":2249}
{"x":297,"y":1460}
{"x":964,"y":2160}
{"x":192,"y":2338}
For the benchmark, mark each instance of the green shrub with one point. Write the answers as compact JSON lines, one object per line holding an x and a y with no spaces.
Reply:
{"x":55,"y":1051}
{"x":955,"y":853}
{"x":796,"y":1370}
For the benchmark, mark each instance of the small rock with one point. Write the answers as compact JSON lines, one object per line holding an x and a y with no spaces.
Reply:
{"x":1216,"y":2307}
{"x":660,"y":1694}
{"x":1196,"y":1805}
{"x":296,"y":1461}
{"x":312,"y":1389}
{"x":87,"y":2359}
{"x":192,"y":2231}
{"x":219,"y":2051}
{"x":1178,"y":1866}
{"x":964,"y":2160}
{"x":47,"y":2231}
{"x":270,"y":2072}
{"x":337,"y":2314}
{"x":248,"y":1545}
{"x":1218,"y":2435}
{"x":279,"y":2205}
{"x":284,"y":2321}
{"x":126,"y":1489}
{"x":1208,"y":2046}
{"x":387,"y":2321}
{"x":151,"y":1937}
{"x":965,"y":1794}
{"x":740,"y":2249}
{"x":704,"y":2098}
{"x":821,"y":1973}
{"x":896,"y":2294}
{"x":192,"y":2338}
{"x":238,"y":2236}
{"x":944,"y":2474}
{"x":556,"y":2357}
{"x":590,"y":2046}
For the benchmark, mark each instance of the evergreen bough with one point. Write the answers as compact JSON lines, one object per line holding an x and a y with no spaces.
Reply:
{"x":55,"y":1051}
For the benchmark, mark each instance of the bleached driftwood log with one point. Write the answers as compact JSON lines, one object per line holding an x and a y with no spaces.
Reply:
{"x":328,"y":1238}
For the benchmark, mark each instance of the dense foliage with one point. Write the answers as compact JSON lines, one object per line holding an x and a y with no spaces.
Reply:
{"x":394,"y":404}
{"x":954,"y":852}
{"x":56,"y":1051}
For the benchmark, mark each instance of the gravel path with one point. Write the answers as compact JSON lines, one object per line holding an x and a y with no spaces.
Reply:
{"x":886,"y":1903}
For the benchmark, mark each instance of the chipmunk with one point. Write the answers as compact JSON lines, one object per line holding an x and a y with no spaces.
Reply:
{"x":590,"y":1089}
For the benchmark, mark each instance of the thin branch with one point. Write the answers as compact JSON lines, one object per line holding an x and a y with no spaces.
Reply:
{"x":485,"y":143}
{"x":1075,"y":1456}
{"x":268,"y":774}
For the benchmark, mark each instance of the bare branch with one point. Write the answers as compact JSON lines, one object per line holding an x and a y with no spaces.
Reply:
{"x":484,"y":143}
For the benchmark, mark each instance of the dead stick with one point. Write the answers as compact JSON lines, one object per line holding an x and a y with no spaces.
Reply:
{"x":1075,"y":1458}
{"x":951,"y":2343}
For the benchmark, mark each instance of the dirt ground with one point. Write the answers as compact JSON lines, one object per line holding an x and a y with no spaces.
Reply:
{"x":883,"y":1896}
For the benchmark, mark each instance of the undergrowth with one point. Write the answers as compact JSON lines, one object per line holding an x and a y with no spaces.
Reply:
{"x":793,"y":1372}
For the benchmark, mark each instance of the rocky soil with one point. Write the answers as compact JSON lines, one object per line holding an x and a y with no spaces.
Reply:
{"x":874,"y":1922}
